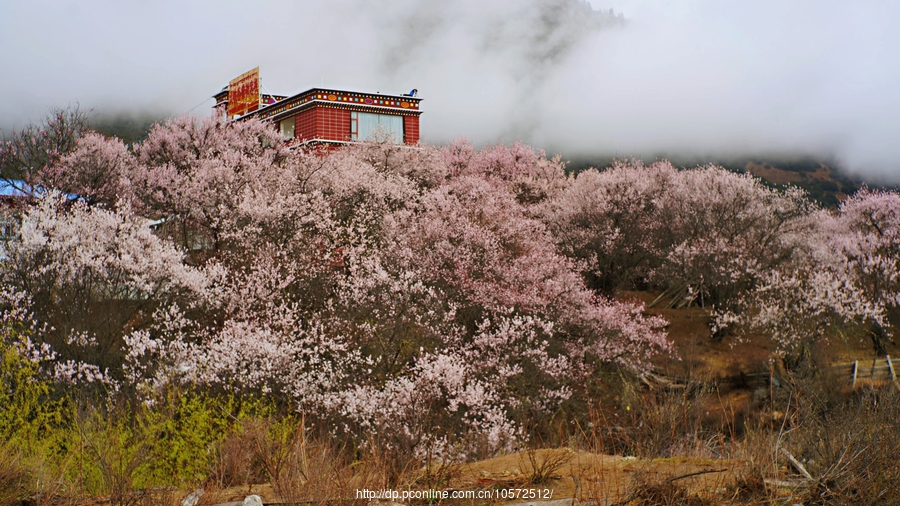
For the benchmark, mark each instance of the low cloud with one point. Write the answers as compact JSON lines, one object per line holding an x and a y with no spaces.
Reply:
{"x":692,"y":77}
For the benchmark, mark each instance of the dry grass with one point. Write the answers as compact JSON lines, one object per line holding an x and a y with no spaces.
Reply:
{"x":14,"y":479}
{"x":542,"y":468}
{"x":847,"y":444}
{"x":297,"y":467}
{"x":646,"y":489}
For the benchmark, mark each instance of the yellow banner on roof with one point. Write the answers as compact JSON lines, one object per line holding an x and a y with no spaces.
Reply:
{"x":243,"y":93}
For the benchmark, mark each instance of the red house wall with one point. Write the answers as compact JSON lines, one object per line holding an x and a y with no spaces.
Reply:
{"x":323,"y":123}
{"x":410,"y":130}
{"x":332,"y":124}
{"x":305,"y":126}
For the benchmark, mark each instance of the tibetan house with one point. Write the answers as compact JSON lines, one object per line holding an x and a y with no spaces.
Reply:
{"x":323,"y":116}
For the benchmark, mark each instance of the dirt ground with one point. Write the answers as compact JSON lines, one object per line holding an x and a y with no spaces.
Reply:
{"x":556,"y":474}
{"x":587,"y":476}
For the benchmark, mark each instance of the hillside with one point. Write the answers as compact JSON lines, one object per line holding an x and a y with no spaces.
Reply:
{"x":130,"y":126}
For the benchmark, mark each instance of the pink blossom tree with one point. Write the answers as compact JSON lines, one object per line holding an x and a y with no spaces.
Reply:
{"x":355,"y":274}
{"x":409,"y":294}
{"x":729,"y":230}
{"x":528,"y":173}
{"x":190,"y":173}
{"x":840,"y":280}
{"x":703,"y":235}
{"x":91,"y":274}
{"x":869,"y":240}
{"x":24,"y":153}
{"x":96,"y":169}
{"x":613,"y":224}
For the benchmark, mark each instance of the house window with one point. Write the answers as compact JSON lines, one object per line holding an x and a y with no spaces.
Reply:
{"x":9,"y":227}
{"x":287,"y":128}
{"x":366,"y":126}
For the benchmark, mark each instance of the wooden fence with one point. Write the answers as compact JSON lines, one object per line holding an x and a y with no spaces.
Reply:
{"x":856,"y":372}
{"x":880,"y":369}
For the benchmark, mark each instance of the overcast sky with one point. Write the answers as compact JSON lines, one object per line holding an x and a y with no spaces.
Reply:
{"x":680,"y":76}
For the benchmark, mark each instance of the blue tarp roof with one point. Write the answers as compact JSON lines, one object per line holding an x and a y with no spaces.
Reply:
{"x":16,"y":188}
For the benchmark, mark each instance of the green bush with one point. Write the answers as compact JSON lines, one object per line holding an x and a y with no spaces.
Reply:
{"x":185,"y":430}
{"x":85,"y":442}
{"x":30,"y":413}
{"x":35,"y":424}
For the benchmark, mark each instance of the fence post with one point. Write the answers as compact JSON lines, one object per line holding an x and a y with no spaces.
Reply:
{"x":855,"y":369}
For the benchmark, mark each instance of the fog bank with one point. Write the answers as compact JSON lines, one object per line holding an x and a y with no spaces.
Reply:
{"x":699,"y":76}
